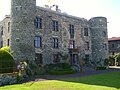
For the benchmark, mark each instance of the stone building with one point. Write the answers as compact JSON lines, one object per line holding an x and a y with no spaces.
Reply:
{"x":114,"y":45}
{"x":48,"y":36}
{"x":5,"y":31}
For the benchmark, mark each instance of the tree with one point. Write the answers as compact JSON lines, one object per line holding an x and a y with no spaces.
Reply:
{"x":117,"y":59}
{"x":111,"y":60}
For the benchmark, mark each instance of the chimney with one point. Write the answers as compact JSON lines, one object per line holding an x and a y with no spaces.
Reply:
{"x":57,"y":8}
{"x":7,"y":16}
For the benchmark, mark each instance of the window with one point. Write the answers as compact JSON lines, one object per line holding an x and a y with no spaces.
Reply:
{"x":87,"y":46}
{"x":86,"y":32}
{"x":74,"y":59}
{"x":113,"y":53}
{"x":38,"y":22}
{"x":72,"y":44}
{"x":118,"y":46}
{"x":38,"y":42}
{"x":38,"y":59}
{"x":55,"y":25}
{"x":113,"y":45}
{"x":71,"y":30}
{"x":1,"y":30}
{"x":1,"y":44}
{"x":87,"y":57}
{"x":8,"y":26}
{"x":55,"y":43}
{"x":105,"y":46}
{"x":56,"y":58}
{"x":8,"y":42}
{"x":104,"y":34}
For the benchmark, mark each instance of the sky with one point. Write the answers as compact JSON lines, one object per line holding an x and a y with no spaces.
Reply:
{"x":81,"y":8}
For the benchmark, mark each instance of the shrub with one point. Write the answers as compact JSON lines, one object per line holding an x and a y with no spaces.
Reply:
{"x":7,"y":62}
{"x":59,"y":69}
{"x":7,"y":79}
{"x":49,"y":67}
{"x":106,"y":61}
{"x":33,"y":69}
{"x":7,"y":48}
{"x":61,"y":72}
{"x":65,"y":65}
{"x":19,"y":78}
{"x":100,"y":68}
{"x":117,"y":59}
{"x":39,"y":71}
{"x":111,"y":60}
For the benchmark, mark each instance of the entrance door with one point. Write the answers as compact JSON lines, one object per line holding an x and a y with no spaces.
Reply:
{"x":38,"y":58}
{"x":74,"y":59}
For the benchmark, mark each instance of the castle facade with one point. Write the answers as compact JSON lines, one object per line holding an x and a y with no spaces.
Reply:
{"x":49,"y":36}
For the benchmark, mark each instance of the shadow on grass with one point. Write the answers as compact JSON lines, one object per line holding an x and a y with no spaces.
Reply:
{"x":108,"y":80}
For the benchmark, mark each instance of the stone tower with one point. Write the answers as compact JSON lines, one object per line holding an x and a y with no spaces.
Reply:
{"x":99,"y":38}
{"x":23,"y":29}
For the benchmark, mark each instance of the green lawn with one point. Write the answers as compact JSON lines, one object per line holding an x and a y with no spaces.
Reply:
{"x":109,"y":81}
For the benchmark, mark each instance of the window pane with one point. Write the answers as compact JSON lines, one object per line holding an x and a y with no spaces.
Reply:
{"x":86,"y":45}
{"x":8,"y":42}
{"x":55,"y":25}
{"x":38,"y":42}
{"x":55,"y":43}
{"x":38,"y":22}
{"x":105,"y":46}
{"x":71,"y":30}
{"x":85,"y":31}
{"x":72,"y":44}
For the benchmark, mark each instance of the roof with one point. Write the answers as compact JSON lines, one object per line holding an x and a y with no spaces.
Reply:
{"x":114,"y":39}
{"x":60,"y":13}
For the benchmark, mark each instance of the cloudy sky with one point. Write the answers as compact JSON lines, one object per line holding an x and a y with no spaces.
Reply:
{"x":81,"y":8}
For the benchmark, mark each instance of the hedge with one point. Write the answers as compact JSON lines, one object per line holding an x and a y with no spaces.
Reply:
{"x":100,"y":68}
{"x":7,"y":63}
{"x":61,"y":72}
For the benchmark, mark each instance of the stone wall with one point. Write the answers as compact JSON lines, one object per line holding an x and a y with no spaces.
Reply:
{"x":22,"y":29}
{"x":5,"y":30}
{"x":114,"y":46}
{"x":63,"y":34}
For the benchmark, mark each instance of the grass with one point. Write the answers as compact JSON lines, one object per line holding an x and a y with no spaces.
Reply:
{"x":108,"y":81}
